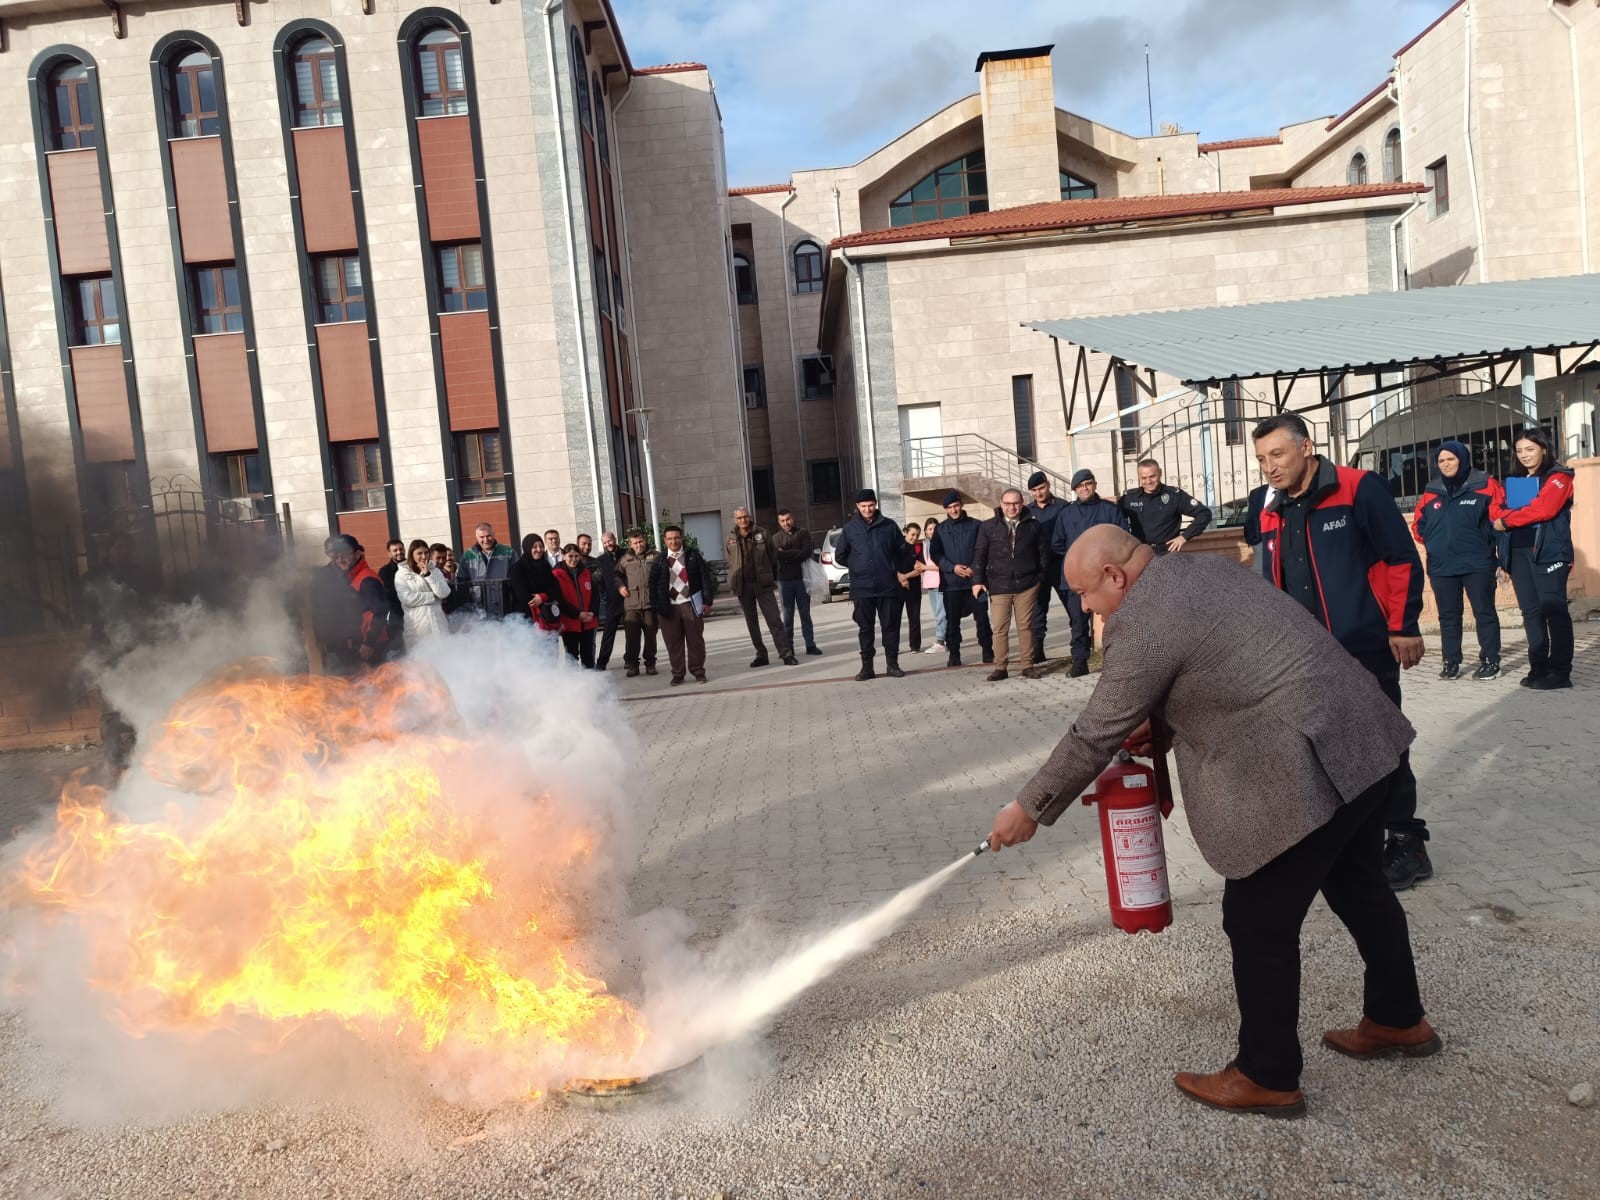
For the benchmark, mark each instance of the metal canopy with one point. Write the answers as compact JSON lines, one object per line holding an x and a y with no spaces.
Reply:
{"x":1366,"y":333}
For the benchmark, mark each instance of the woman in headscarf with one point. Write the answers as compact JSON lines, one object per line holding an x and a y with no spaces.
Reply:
{"x":1454,"y":526}
{"x":1540,"y":551}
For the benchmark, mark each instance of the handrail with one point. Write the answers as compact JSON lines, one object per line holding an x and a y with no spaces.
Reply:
{"x":973,"y":454}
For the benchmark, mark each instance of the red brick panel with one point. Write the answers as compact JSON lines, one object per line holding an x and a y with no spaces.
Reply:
{"x":468,"y":370}
{"x":493,"y":511}
{"x":348,"y":399}
{"x":200,"y":187}
{"x":591,"y":180}
{"x":327,"y":210}
{"x":370,"y":527}
{"x":80,"y":212}
{"x":449,"y":180}
{"x":39,"y":704}
{"x":103,"y":415}
{"x":225,"y":400}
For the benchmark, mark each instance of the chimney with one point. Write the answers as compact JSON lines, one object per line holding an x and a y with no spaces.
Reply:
{"x":1017,"y":88}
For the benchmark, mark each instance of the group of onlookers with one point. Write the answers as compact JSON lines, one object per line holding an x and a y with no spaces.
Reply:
{"x":363,"y":616}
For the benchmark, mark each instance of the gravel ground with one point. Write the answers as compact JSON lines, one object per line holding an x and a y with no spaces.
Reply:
{"x":1031,"y":1057}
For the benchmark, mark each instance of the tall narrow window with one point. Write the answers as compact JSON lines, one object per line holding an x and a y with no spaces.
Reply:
{"x":954,"y":190}
{"x":807,"y":268}
{"x":340,"y":293}
{"x":95,"y":320}
{"x":316,"y":84}
{"x":237,"y":478}
{"x":441,"y":75}
{"x":824,"y":479}
{"x":216,"y":299}
{"x":1127,"y":398}
{"x":461,"y":282}
{"x":1075,"y":187}
{"x":74,"y":112}
{"x":1392,"y":165}
{"x":602,"y":284}
{"x":358,"y":470}
{"x":816,"y":376}
{"x":1232,"y":413}
{"x":1357,"y":172}
{"x":744,"y":278}
{"x":580,"y":80}
{"x":602,"y":136}
{"x":194,"y":96}
{"x":755,"y":387}
{"x":1022,"y":414}
{"x":763,"y":487}
{"x":1439,"y":181}
{"x":480,"y":469}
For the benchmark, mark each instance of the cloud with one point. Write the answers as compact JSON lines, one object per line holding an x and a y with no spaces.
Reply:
{"x":899,"y":94}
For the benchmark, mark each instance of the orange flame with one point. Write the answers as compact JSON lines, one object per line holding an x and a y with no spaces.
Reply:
{"x":317,"y":864}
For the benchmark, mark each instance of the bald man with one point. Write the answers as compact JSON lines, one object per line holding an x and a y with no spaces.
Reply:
{"x":1287,"y":749}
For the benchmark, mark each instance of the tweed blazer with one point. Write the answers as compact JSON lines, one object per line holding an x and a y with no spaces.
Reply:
{"x":1274,"y":724}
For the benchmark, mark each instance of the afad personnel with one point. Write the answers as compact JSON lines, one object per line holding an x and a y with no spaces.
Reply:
{"x":1287,"y":749}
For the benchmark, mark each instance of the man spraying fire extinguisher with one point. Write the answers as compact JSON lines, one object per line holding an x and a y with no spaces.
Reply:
{"x":1286,"y":749}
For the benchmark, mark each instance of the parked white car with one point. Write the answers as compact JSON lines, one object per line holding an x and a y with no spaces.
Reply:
{"x":838,"y":577}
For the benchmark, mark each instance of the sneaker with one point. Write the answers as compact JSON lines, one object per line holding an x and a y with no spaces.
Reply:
{"x":936,"y":647}
{"x":1080,"y":668}
{"x":1405,"y":861}
{"x":813,"y":650}
{"x":1450,"y":670}
{"x":1551,"y":680}
{"x":1489,"y":668}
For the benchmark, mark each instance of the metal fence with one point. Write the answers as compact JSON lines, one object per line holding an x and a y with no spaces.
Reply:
{"x":971,"y":454}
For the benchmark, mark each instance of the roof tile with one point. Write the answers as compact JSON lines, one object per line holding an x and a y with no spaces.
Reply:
{"x":669,"y":68}
{"x":761,"y":188}
{"x":1240,"y":143}
{"x":1120,"y":210}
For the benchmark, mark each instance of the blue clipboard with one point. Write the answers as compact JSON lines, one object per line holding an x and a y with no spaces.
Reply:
{"x":1520,"y":490}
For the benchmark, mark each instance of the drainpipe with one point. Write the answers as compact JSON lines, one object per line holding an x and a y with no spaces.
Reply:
{"x":794,"y":361}
{"x":854,"y":268}
{"x":641,"y":413}
{"x":1394,"y":238}
{"x":572,"y":259}
{"x":1577,"y":132}
{"x":725,"y":225}
{"x":1466,"y":134}
{"x":838,"y":232}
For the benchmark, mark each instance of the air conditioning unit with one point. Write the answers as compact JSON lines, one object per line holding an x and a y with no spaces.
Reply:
{"x":752,"y":399}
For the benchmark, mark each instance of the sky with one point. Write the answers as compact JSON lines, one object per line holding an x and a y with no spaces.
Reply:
{"x":823,"y":83}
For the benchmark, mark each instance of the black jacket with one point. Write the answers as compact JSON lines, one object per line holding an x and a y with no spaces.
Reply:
{"x":1157,"y":518}
{"x":531,"y":575}
{"x":875,"y":555}
{"x":1008,"y":562}
{"x":792,"y":550}
{"x":604,"y":569}
{"x":954,"y":543}
{"x":1047,"y":516}
{"x":1079,"y":516}
{"x":661,"y":587}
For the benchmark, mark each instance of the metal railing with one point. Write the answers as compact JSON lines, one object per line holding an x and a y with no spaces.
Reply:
{"x":972,"y":454}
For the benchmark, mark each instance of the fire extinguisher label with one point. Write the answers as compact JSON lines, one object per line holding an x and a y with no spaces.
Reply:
{"x":1140,"y":856}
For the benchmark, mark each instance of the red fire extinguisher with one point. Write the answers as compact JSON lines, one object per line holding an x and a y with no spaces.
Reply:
{"x":1133,"y":799}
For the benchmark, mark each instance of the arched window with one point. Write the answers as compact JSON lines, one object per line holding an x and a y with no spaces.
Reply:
{"x":1358,"y":168}
{"x":954,"y":190}
{"x":1074,"y":187}
{"x":193,"y":85}
{"x":601,"y":134}
{"x":1392,"y":167}
{"x":441,"y":75}
{"x":744,"y":278}
{"x":580,"y":79}
{"x":807,"y":268}
{"x":315,"y":72}
{"x":74,"y":109}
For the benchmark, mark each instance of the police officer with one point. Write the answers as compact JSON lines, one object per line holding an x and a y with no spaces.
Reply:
{"x":1086,"y":511}
{"x":1045,"y":509}
{"x":1156,"y":511}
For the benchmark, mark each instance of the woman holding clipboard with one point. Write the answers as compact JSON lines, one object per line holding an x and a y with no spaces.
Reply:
{"x":1536,"y":516}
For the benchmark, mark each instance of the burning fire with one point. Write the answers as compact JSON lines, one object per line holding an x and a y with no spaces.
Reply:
{"x":325,"y":855}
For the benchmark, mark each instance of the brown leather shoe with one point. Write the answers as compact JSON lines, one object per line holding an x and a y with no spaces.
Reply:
{"x":997,"y":676}
{"x":1371,"y":1040}
{"x":1229,"y":1090}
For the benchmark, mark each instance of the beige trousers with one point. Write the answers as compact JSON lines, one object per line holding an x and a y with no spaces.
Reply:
{"x":1001,"y":610}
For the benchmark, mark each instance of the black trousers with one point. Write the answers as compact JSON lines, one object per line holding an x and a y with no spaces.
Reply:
{"x":1542,"y":597}
{"x":912,"y":599}
{"x":610,"y":619}
{"x":1478,"y":588}
{"x":767,"y":602}
{"x":885,"y":611}
{"x":640,"y":624}
{"x":1262,"y":915}
{"x":580,"y":646}
{"x":1051,"y":582}
{"x":958,"y":603}
{"x":1401,"y":813}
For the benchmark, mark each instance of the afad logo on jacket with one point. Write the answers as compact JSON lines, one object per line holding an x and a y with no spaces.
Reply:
{"x":1338,"y":523}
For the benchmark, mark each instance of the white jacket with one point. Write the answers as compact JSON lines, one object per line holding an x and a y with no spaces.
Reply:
{"x":422,"y":597}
